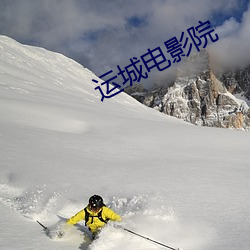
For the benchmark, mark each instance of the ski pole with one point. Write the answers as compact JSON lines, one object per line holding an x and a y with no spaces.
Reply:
{"x":45,"y":228}
{"x":146,"y":238}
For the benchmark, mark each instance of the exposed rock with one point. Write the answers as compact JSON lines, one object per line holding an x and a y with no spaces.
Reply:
{"x":237,"y":81}
{"x":137,"y":91}
{"x":197,"y":96}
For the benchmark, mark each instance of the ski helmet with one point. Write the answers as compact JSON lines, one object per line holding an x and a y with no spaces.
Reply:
{"x":95,"y":202}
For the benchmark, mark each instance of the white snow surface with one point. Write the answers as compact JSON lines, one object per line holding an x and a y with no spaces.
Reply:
{"x":182,"y":185}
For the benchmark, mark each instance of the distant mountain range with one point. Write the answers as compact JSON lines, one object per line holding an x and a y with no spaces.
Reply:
{"x":200,"y":96}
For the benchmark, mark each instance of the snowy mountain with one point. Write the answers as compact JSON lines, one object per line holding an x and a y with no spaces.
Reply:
{"x":198,"y":97}
{"x":237,"y":81}
{"x":182,"y":185}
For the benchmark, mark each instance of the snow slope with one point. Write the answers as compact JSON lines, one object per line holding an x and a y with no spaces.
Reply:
{"x":176,"y":183}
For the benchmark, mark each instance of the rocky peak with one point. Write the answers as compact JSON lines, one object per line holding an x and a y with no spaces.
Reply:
{"x":197,"y":64}
{"x":199,"y":97}
{"x":237,"y":81}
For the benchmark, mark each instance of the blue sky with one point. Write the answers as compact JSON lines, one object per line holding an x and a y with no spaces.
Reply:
{"x":219,"y":16}
{"x":101,"y":34}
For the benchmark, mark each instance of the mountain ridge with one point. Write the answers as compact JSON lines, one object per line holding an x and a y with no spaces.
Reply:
{"x":200,"y":96}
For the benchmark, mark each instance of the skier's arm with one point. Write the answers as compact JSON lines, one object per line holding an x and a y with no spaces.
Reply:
{"x":77,"y":217}
{"x":110,"y":214}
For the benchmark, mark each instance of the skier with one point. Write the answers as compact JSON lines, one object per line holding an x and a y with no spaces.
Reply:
{"x":95,"y":214}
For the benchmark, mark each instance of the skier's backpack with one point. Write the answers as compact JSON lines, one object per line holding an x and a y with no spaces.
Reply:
{"x":88,"y":216}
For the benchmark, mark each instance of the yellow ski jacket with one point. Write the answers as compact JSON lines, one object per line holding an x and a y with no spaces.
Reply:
{"x":94,"y":223}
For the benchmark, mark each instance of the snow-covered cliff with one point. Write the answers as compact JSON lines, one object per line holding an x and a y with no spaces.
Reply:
{"x":197,"y":96}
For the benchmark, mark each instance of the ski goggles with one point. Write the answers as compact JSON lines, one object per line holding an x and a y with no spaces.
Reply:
{"x":94,"y":208}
